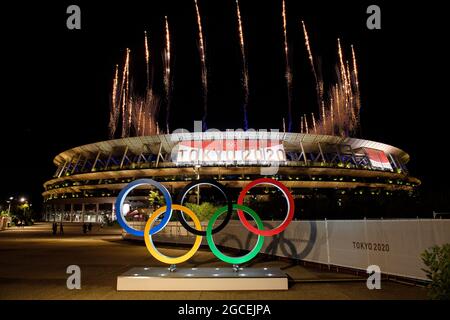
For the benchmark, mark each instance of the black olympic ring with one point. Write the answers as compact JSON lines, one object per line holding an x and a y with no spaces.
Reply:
{"x":188,"y":188}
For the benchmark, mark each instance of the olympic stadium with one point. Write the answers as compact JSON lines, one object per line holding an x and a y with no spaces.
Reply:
{"x":329,"y":176}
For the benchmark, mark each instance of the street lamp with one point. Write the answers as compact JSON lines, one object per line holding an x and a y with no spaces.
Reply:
{"x":197,"y":171}
{"x":23,"y":199}
{"x":9,"y":204}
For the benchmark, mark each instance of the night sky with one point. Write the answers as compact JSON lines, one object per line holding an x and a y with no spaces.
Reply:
{"x":57,"y":84}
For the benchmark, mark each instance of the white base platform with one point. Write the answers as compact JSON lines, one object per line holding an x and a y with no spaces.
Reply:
{"x":202,"y":279}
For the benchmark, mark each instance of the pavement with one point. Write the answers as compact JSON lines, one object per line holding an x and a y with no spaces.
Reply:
{"x":33,"y":265}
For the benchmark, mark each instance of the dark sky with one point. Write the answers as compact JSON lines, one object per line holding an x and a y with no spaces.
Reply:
{"x":57,"y":82}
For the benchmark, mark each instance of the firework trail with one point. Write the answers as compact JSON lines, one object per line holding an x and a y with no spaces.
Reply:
{"x":335,"y":94}
{"x":147,"y":59}
{"x":343,"y":76}
{"x":288,"y":68}
{"x":167,"y":76}
{"x":306,"y":123}
{"x":244,"y":65}
{"x":356,"y":84}
{"x":314,"y":122}
{"x":115,"y":83}
{"x":151,"y":107}
{"x":129,"y":104}
{"x":124,"y":92}
{"x":137,"y":111}
{"x":318,"y":80}
{"x":339,"y":112}
{"x":114,"y":112}
{"x":332,"y":115}
{"x":201,"y":48}
{"x":139,"y":132}
{"x":350,"y":93}
{"x":143,"y":125}
{"x":143,"y":110}
{"x":324,"y":119}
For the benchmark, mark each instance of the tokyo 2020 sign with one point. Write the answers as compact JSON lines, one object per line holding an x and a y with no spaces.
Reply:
{"x":227,"y":210}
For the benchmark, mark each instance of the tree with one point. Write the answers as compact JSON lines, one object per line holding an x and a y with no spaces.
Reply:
{"x":437,"y":260}
{"x":155,"y":199}
{"x":23,"y":213}
{"x":203,"y":211}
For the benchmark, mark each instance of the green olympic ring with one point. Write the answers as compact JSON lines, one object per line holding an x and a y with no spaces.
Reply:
{"x":220,"y":255}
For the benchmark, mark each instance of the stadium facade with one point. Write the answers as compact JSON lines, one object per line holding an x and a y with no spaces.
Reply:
{"x":329,"y":176}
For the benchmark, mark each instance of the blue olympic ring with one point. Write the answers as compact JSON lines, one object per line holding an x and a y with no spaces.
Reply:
{"x":123,"y":194}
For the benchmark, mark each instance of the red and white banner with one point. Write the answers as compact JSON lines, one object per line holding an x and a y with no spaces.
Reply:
{"x":229,"y":151}
{"x":378,"y":158}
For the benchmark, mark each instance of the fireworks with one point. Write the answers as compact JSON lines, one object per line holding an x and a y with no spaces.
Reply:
{"x":314,"y":122}
{"x":136,"y":112}
{"x":167,"y":76}
{"x":147,"y":59}
{"x":340,"y":109}
{"x":204,"y":70}
{"x":115,"y":111}
{"x":317,"y":78}
{"x":244,"y":65}
{"x":338,"y":106}
{"x":288,"y":67}
{"x":124,"y":92}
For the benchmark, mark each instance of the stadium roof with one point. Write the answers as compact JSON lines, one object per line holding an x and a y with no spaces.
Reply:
{"x":167,"y":142}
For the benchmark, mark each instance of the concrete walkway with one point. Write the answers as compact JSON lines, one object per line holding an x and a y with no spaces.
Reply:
{"x":33,"y":266}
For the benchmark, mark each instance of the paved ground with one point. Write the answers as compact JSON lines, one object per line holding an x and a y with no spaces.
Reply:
{"x":33,"y":265}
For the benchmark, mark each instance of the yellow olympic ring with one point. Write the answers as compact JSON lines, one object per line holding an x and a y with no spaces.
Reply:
{"x":149,"y":242}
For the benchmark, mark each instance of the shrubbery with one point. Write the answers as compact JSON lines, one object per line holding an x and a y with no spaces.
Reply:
{"x":437,"y":260}
{"x":203,"y":211}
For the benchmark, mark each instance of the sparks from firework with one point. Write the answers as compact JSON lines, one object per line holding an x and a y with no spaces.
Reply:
{"x":340,"y":111}
{"x":204,"y":70}
{"x":317,"y":78}
{"x":136,"y":111}
{"x":324,"y":118}
{"x":288,"y":67}
{"x":343,"y":75}
{"x":314,"y":122}
{"x":356,"y":84}
{"x":139,"y":118}
{"x":147,"y":59}
{"x":244,"y":65}
{"x":129,"y":105}
{"x":143,"y":109}
{"x":306,"y":124}
{"x":167,"y":75}
{"x":124,"y":92}
{"x":114,"y":112}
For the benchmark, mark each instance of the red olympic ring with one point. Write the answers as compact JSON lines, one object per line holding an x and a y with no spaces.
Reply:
{"x":290,"y":202}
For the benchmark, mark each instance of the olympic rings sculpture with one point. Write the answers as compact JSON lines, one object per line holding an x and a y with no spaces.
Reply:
{"x":166,"y":211}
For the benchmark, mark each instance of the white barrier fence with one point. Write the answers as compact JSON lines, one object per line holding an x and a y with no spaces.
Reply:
{"x":394,"y":245}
